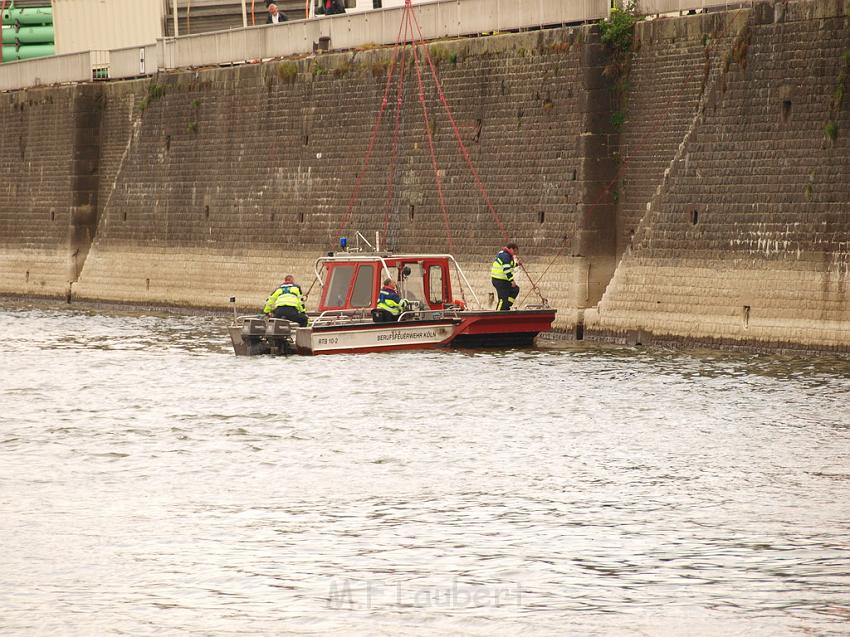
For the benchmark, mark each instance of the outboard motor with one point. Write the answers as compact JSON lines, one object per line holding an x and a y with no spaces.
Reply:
{"x":278,"y":334}
{"x":249,"y":338}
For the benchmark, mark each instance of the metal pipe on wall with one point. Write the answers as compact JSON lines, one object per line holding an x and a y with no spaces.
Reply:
{"x":176,"y":29}
{"x":2,"y":12}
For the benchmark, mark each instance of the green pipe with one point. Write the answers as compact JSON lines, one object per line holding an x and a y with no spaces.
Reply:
{"x":28,"y":35}
{"x":27,"y":52}
{"x":39,"y":15}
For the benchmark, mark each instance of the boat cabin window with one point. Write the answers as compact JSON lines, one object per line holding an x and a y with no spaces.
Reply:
{"x":435,"y":285}
{"x":340,"y":282}
{"x":364,"y":287}
{"x":411,"y":282}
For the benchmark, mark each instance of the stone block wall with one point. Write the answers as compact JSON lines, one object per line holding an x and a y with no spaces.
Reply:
{"x":676,"y":60}
{"x":747,"y":236}
{"x":706,"y":199}
{"x":223,"y":180}
{"x":37,"y":148}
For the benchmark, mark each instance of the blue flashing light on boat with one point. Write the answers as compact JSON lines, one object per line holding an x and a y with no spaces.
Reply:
{"x":343,"y":242}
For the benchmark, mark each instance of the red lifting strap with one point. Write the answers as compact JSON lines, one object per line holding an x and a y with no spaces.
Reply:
{"x":413,"y":37}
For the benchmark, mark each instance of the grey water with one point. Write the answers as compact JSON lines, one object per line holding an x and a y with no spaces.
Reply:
{"x":153,"y":483}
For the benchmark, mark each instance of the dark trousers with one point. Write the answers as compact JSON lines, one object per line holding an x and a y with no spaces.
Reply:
{"x":290,"y":314}
{"x":380,"y":315}
{"x":506,"y":292}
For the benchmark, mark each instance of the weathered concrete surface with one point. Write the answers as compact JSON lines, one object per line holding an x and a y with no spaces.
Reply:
{"x":719,"y":207}
{"x":35,"y":192}
{"x":215,"y":182}
{"x":747,"y":236}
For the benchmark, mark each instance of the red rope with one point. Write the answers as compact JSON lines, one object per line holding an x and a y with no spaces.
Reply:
{"x":466,"y":156}
{"x":410,"y":36}
{"x":431,"y":148}
{"x":359,"y":181}
{"x":464,"y":150}
{"x":396,"y":127}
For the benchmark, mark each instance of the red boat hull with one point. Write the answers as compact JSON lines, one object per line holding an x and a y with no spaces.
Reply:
{"x":513,"y":322}
{"x":467,"y":329}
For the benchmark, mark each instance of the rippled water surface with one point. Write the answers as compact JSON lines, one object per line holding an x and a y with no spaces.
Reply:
{"x":153,"y":483}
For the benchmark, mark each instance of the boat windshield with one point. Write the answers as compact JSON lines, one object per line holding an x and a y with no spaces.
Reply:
{"x":411,"y":282}
{"x":435,"y":285}
{"x":361,"y":295}
{"x":341,"y":276}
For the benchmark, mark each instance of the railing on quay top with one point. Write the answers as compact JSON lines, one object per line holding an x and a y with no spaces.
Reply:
{"x":660,"y":7}
{"x":57,"y":69}
{"x":438,"y":19}
{"x":133,"y":61}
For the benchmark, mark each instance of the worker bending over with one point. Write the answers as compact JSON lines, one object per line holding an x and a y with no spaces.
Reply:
{"x":286,"y":302}
{"x":502,"y":276}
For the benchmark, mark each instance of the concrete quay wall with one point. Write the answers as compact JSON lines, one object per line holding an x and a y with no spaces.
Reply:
{"x":213,"y":183}
{"x":704,"y":194}
{"x":735,"y":221}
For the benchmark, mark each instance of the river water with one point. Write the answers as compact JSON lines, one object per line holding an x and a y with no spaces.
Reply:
{"x":153,"y":483}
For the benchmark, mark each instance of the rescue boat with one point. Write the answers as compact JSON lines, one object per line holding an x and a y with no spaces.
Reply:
{"x":350,"y":281}
{"x":433,"y":318}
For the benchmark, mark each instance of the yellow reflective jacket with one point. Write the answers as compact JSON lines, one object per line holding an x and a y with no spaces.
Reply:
{"x":503,"y":266}
{"x":390,"y":301}
{"x":288,"y":294}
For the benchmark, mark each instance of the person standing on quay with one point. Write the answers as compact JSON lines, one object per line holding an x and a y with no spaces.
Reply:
{"x":275,"y":16}
{"x":502,"y":276}
{"x":331,"y":7}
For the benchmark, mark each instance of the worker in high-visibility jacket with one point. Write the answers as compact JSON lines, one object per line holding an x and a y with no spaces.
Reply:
{"x":390,"y":304}
{"x":286,"y":302}
{"x":502,"y":276}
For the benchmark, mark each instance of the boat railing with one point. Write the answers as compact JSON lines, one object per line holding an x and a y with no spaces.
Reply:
{"x":426,"y":315}
{"x":463,"y":278}
{"x":317,"y":266}
{"x":336,"y":317}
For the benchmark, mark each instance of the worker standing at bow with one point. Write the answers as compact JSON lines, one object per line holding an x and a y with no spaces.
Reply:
{"x":286,"y":302}
{"x":502,"y":276}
